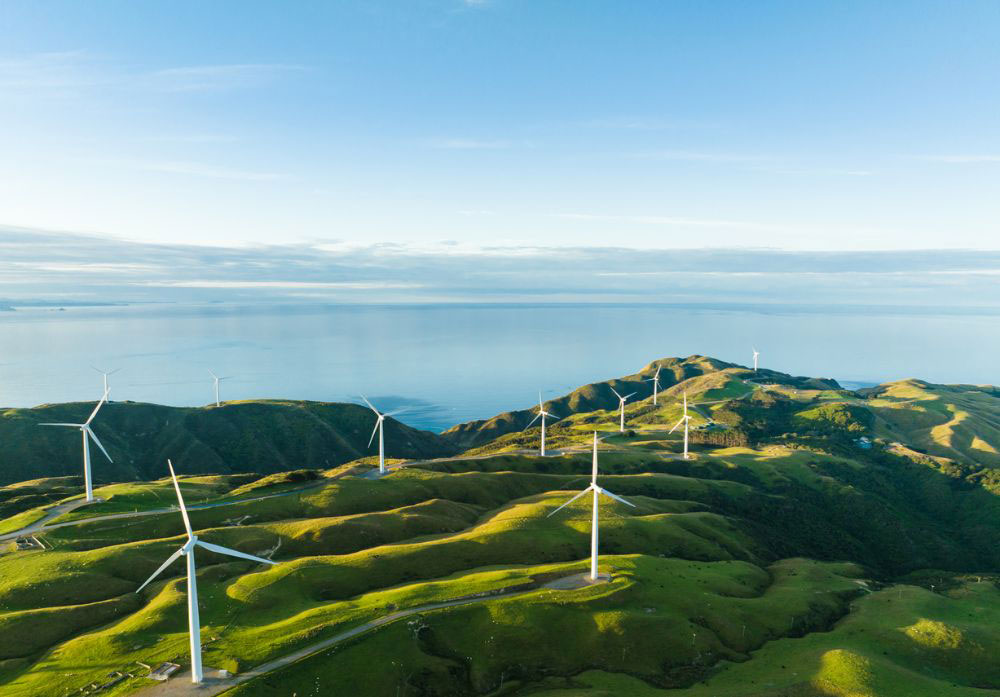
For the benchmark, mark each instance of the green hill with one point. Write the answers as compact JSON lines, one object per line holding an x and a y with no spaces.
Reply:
{"x":819,"y":542}
{"x":253,"y":436}
{"x":599,"y":395}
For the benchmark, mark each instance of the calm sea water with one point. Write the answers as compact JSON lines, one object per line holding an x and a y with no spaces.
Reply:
{"x":452,"y":363}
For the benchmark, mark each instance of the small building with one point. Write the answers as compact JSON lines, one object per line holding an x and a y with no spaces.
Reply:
{"x":864,"y":442}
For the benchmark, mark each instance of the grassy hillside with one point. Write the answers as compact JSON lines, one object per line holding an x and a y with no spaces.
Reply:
{"x":253,"y":436}
{"x":599,"y":396}
{"x":961,"y":422}
{"x":786,"y":558}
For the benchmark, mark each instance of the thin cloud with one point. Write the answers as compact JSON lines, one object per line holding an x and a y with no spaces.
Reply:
{"x":298,"y":285}
{"x":673,"y":221}
{"x":697,"y":156}
{"x":73,"y":73}
{"x":961,"y":159}
{"x":53,"y":73}
{"x":199,"y":78}
{"x":40,"y":265}
{"x":198,"y":169}
{"x":466,"y":144}
{"x":194,"y":138}
{"x":629,"y":123}
{"x":820,"y":171}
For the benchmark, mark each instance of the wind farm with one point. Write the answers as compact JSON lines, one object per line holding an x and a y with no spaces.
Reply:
{"x":306,"y":576}
{"x":497,"y":348}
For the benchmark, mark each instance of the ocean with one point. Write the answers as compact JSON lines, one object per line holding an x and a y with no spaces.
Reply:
{"x":452,"y":363}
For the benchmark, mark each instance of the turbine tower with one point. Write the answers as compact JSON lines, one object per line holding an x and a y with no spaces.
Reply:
{"x":656,"y":383}
{"x":88,"y":433}
{"x":593,"y":526}
{"x":621,"y":408}
{"x":756,"y":355}
{"x":105,"y":374}
{"x":379,"y":424}
{"x":194,"y":624}
{"x":216,"y":380}
{"x":684,"y":420}
{"x":541,"y":414}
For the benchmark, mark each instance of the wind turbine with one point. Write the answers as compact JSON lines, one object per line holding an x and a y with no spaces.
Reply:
{"x":621,"y":407}
{"x":756,"y":355}
{"x":656,"y":383}
{"x":541,"y":414}
{"x":216,"y":379}
{"x":106,"y":373}
{"x":684,"y":420}
{"x":593,"y":526}
{"x":379,"y":423}
{"x":88,"y":433}
{"x":194,"y":624}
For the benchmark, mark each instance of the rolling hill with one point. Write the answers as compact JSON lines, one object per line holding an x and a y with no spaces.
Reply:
{"x":599,"y":395}
{"x":818,"y":543}
{"x":253,"y":436}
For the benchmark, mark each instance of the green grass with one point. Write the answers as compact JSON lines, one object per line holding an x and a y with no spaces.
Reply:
{"x":21,"y":520}
{"x":657,"y":614}
{"x":713,"y":591}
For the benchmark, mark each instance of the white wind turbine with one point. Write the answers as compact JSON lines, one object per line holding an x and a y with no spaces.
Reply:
{"x":194,"y":624}
{"x":88,"y":433}
{"x":684,"y":420}
{"x":756,"y":355}
{"x":216,"y":380}
{"x":105,"y":374}
{"x":541,"y":414}
{"x":379,"y":425}
{"x":593,"y":526}
{"x":621,"y":408}
{"x":656,"y":383}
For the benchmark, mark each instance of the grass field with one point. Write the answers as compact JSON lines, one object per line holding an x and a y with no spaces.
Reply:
{"x":790,"y":566}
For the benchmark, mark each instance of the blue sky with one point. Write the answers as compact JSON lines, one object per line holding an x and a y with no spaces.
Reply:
{"x":442,"y":125}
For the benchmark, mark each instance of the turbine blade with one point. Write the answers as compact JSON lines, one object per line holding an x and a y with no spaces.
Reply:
{"x":100,"y":404}
{"x":73,"y":425}
{"x":537,"y":416}
{"x":630,"y":394}
{"x":233,"y":553}
{"x":616,"y":497}
{"x":370,"y":405}
{"x":180,"y":499}
{"x":170,"y":560}
{"x":397,"y":411}
{"x":616,"y":392}
{"x":675,"y":426}
{"x":570,"y":501}
{"x":377,"y":422}
{"x":214,"y":376}
{"x":97,"y":440}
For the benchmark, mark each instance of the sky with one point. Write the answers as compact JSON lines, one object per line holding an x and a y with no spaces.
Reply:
{"x":488,"y":130}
